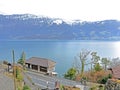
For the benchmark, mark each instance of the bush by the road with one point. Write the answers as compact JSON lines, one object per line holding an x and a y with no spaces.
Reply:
{"x":26,"y":87}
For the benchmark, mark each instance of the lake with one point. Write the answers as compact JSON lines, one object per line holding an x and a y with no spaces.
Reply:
{"x":62,"y":52}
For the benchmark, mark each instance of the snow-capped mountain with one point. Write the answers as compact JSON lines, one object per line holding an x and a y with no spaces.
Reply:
{"x":28,"y":26}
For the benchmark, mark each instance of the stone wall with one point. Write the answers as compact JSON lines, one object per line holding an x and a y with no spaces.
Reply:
{"x":112,"y":85}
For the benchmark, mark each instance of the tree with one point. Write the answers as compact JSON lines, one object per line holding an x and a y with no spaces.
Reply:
{"x":22,"y":59}
{"x":19,"y":75}
{"x":114,"y":62}
{"x":105,"y":62}
{"x":70,"y":73}
{"x":83,"y":57}
{"x":97,"y":67}
{"x":77,"y":64}
{"x":95,"y":59}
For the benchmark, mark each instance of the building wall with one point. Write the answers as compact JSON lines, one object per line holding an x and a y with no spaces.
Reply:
{"x":40,"y":68}
{"x":34,"y":67}
{"x":43,"y":69}
{"x":51,"y":69}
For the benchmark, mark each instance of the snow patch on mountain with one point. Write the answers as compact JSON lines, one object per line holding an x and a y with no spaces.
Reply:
{"x":73,"y":22}
{"x":58,"y":21}
{"x":49,"y":20}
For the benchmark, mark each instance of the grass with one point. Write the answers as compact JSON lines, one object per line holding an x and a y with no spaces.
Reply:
{"x":71,"y":88}
{"x":95,"y":86}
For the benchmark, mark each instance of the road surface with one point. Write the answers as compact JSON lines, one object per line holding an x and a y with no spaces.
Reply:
{"x":6,"y":83}
{"x":45,"y":81}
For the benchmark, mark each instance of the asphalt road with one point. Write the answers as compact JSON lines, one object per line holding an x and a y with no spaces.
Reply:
{"x":6,"y":83}
{"x":45,"y":81}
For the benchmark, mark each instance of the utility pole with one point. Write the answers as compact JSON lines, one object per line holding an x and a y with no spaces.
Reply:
{"x":14,"y":71}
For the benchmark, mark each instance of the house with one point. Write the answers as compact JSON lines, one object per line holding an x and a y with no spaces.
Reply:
{"x":115,"y":71}
{"x":43,"y":65}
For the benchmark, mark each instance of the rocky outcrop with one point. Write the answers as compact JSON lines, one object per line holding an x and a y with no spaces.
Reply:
{"x":112,"y":85}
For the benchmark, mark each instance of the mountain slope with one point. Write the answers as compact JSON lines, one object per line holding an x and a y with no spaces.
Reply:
{"x":27,"y":26}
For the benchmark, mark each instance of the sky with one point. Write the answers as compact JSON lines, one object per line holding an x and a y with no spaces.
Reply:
{"x":86,"y":10}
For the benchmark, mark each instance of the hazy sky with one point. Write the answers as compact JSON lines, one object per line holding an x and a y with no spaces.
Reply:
{"x":87,"y":10}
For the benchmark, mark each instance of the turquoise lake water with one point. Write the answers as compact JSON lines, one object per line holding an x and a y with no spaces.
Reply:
{"x":62,"y":52}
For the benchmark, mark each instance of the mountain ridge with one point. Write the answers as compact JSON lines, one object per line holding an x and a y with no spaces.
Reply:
{"x":28,"y":26}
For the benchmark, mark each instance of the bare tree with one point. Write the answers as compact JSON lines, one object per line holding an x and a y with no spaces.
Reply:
{"x":105,"y":62}
{"x":83,"y":57}
{"x":114,"y":62}
{"x":77,"y":64}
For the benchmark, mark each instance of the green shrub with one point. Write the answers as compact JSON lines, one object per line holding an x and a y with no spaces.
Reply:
{"x":62,"y":87}
{"x":97,"y":67}
{"x":84,"y":78}
{"x":26,"y":87}
{"x":101,"y":87}
{"x":109,"y":75}
{"x":19,"y":74}
{"x":70,"y":74}
{"x":18,"y":88}
{"x":104,"y":79}
{"x":93,"y":88}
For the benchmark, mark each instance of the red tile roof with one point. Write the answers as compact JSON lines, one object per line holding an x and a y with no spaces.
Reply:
{"x":41,"y":62}
{"x":116,"y":72}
